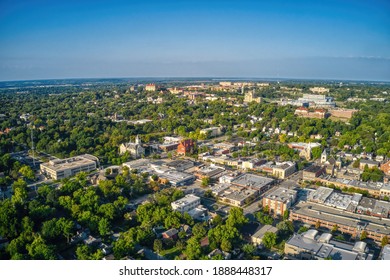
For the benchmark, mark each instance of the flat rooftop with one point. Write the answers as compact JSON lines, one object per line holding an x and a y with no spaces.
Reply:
{"x":240,"y":195}
{"x":341,"y":217}
{"x":354,"y":183}
{"x":251,"y":180}
{"x":339,"y":200}
{"x":320,"y":194}
{"x":323,"y":246}
{"x":210,"y":171}
{"x":313,"y":168}
{"x":176,"y":176}
{"x":69,"y":163}
{"x":189,"y":198}
{"x":281,"y":194}
{"x":180,"y":164}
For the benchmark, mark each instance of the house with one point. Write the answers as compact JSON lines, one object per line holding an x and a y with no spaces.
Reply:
{"x":170,"y":234}
{"x":185,"y":147}
{"x":257,"y":237}
{"x":217,"y":252}
{"x":369,"y":163}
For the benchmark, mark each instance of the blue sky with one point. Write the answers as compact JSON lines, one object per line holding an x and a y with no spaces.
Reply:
{"x":41,"y":39}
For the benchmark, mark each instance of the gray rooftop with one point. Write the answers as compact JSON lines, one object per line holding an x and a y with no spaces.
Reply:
{"x":320,"y":194}
{"x":253,"y":181}
{"x":323,"y":246}
{"x":282,"y":194}
{"x":341,"y":217}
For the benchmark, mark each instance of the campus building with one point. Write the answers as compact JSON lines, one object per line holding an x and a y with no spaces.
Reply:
{"x":63,"y":168}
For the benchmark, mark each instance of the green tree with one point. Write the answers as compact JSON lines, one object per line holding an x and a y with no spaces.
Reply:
{"x":226,"y":245}
{"x":104,"y":227}
{"x":286,"y":214}
{"x":20,"y":191}
{"x":385,"y":241}
{"x":8,"y":219}
{"x":363,"y":235}
{"x":27,"y":172}
{"x":316,"y":152}
{"x":39,"y":250}
{"x":356,"y":163}
{"x":217,"y":220}
{"x":193,"y":250}
{"x":205,"y":181}
{"x":302,"y":229}
{"x":157,"y":245}
{"x":248,"y":249}
{"x":198,"y":230}
{"x":269,"y":240}
{"x":236,"y":218}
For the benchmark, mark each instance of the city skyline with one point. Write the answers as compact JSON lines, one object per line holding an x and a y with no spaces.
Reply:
{"x":287,"y":39}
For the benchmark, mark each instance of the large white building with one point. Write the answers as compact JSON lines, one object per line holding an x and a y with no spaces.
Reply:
{"x":186,"y":204}
{"x":63,"y":168}
{"x":315,"y":100}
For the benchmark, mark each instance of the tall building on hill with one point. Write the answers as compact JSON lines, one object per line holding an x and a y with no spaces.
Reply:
{"x":250,"y":97}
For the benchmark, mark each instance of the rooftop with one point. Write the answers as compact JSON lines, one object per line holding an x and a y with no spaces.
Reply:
{"x":189,"y":198}
{"x":320,"y":194}
{"x":69,"y":163}
{"x":282,"y":194}
{"x":240,"y":195}
{"x":340,"y":217}
{"x":251,"y":180}
{"x":313,"y":168}
{"x":339,"y":200}
{"x":323,"y":246}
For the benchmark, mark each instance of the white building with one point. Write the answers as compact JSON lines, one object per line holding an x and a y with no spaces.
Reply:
{"x":186,"y":204}
{"x":212,"y":131}
{"x":63,"y":168}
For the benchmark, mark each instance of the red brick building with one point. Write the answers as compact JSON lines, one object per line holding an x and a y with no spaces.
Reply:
{"x":386,"y":168}
{"x":185,"y":147}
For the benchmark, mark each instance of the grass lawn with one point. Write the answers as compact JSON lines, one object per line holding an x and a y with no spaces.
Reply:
{"x":171,"y":253}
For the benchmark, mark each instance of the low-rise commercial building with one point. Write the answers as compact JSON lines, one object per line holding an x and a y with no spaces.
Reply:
{"x":310,"y":245}
{"x":63,"y":168}
{"x":255,"y":182}
{"x":212,"y":172}
{"x":346,"y":222}
{"x":238,"y":197}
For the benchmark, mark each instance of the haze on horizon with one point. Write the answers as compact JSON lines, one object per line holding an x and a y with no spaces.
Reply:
{"x":42,"y":39}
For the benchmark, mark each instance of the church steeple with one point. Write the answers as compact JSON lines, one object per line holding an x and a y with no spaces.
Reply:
{"x":324,"y":156}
